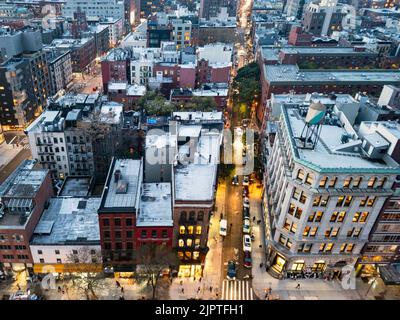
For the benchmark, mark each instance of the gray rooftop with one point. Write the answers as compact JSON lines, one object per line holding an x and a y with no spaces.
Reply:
{"x":291,"y":74}
{"x":124,"y":193}
{"x":155,"y":205}
{"x":24,"y":182}
{"x":324,"y":51}
{"x":76,"y":187}
{"x":330,"y":153}
{"x":68,"y":220}
{"x":196,"y":181}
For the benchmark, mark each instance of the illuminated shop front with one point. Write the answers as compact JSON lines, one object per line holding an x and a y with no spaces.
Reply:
{"x":190,"y":270}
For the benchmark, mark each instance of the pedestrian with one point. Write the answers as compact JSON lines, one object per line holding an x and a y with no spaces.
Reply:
{"x":181,"y":283}
{"x":18,"y":287}
{"x":194,"y":278}
{"x":117,"y":283}
{"x":122,"y":289}
{"x":258,"y":221}
{"x":59,"y":289}
{"x":200,"y":279}
{"x":198,"y":289}
{"x":254,"y":218}
{"x":261,"y":265}
{"x":216,"y":295}
{"x":298,"y":286}
{"x":183,"y":290}
{"x":210,"y":288}
{"x":121,"y":297}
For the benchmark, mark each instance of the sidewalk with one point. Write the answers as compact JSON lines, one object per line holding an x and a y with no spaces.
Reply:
{"x":8,"y":153}
{"x":212,"y":266}
{"x":310,"y":289}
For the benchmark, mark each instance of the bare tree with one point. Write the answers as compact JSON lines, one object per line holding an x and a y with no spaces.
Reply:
{"x":86,"y":264}
{"x":152,"y":260}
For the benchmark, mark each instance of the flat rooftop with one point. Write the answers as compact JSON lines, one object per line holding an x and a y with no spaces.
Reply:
{"x":329,"y":154}
{"x":196,"y":181}
{"x":68,"y":220}
{"x":291,"y":74}
{"x":155,"y":205}
{"x":124,"y":192}
{"x":76,"y":187}
{"x":324,"y":51}
{"x":198,"y":115}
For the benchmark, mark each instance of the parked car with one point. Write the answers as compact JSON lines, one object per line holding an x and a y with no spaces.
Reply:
{"x":246,"y":225}
{"x":231,"y":273}
{"x":223,"y":225}
{"x":246,"y":243}
{"x":246,"y":180}
{"x":247,"y":259}
{"x":246,"y":213}
{"x":235,"y":180}
{"x":245,"y":191}
{"x":246,"y":202}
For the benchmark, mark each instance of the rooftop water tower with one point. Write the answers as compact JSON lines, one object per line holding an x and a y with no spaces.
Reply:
{"x":313,"y":125}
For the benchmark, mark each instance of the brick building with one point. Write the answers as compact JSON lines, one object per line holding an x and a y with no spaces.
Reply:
{"x":23,"y":197}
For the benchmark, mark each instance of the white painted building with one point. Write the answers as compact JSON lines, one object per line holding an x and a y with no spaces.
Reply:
{"x":67,"y":234}
{"x":321,"y":200}
{"x":116,"y":29}
{"x":98,"y":8}
{"x":216,"y":53}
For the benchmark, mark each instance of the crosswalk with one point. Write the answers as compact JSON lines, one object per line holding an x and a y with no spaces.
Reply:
{"x":236,"y":290}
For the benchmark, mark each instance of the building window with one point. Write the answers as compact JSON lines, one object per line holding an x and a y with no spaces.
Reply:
{"x":347,"y":182}
{"x":329,"y":247}
{"x":164,"y":234}
{"x":154,"y":233}
{"x":118,"y":234}
{"x":144,"y":233}
{"x":74,"y":251}
{"x":117,"y":222}
{"x":381,"y":183}
{"x":313,"y":231}
{"x":181,"y":230}
{"x":190,"y":229}
{"x":300,"y":175}
{"x":328,"y":232}
{"x":129,"y":234}
{"x":371,"y":182}
{"x":40,"y":252}
{"x":299,"y":212}
{"x":198,"y":230}
{"x":41,"y":260}
{"x":357,"y":182}
{"x":322,"y":247}
{"x":371,"y":201}
{"x":181,"y":243}
{"x":292,"y":207}
{"x":107,"y":246}
{"x":128,"y":222}
{"x":282,"y":239}
{"x":322,"y":182}
{"x":309,"y":179}
{"x":200,"y":215}
{"x":332,"y":183}
{"x":360,"y":216}
{"x":57,"y":251}
{"x":106,"y":222}
{"x":118,"y":245}
{"x":59,"y":261}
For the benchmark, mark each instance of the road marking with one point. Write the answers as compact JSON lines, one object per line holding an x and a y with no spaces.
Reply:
{"x":236,"y":290}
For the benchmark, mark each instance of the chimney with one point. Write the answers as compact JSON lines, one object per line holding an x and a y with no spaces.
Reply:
{"x":117,"y":175}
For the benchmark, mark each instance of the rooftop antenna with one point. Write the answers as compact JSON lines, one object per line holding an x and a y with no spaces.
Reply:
{"x":313,"y":125}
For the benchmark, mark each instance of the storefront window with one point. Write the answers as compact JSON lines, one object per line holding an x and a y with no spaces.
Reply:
{"x":198,"y":230}
{"x":298,"y":265}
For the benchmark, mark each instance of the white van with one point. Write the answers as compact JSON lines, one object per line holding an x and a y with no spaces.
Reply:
{"x":223,"y":225}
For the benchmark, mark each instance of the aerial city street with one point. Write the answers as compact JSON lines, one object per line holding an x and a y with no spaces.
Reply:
{"x":200,"y":150}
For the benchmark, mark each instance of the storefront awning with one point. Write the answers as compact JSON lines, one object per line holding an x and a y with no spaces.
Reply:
{"x":67,"y":268}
